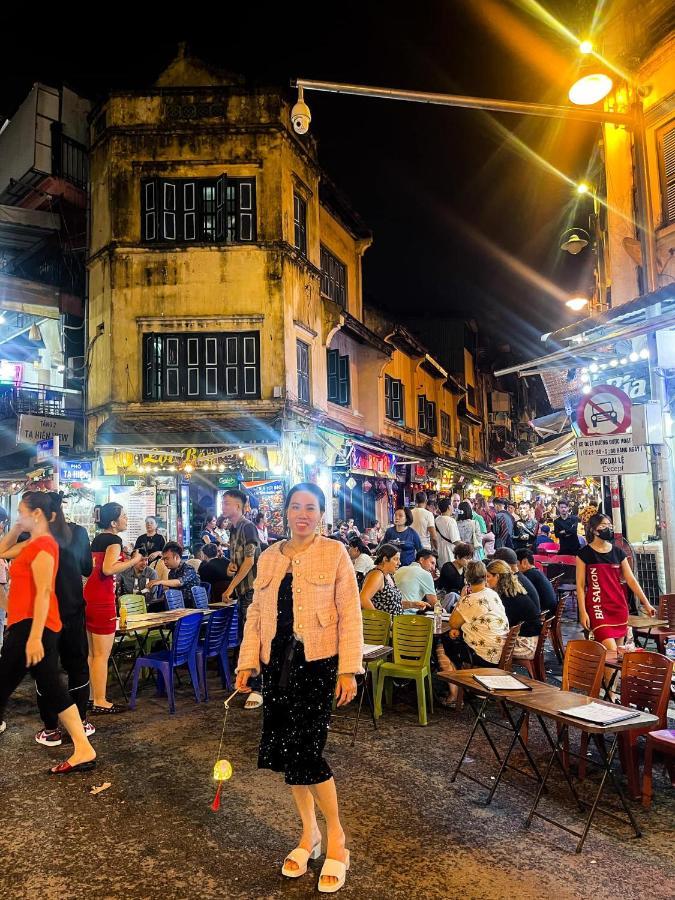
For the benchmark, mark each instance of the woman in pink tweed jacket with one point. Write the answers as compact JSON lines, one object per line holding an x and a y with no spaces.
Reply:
{"x":304,"y":631}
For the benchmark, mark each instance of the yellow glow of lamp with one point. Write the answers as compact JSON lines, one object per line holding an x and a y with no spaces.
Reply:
{"x":585,"y":47}
{"x":576,"y":304}
{"x":590,"y":89}
{"x":123,"y":459}
{"x":222,"y":771}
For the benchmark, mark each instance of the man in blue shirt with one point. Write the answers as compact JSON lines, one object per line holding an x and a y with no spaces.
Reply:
{"x":416,"y":582}
{"x":181,"y":575}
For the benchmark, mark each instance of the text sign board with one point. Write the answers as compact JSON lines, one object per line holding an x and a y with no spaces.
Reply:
{"x":613,"y":454}
{"x":75,"y":471}
{"x":47,"y":449}
{"x":139,"y":503}
{"x":31,"y":429}
{"x":632,"y":379}
{"x":606,"y":410}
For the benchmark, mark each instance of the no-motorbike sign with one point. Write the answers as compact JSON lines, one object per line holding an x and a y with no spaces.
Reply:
{"x":606,"y":410}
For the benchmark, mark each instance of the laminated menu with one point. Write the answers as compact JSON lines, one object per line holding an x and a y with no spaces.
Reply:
{"x":501,"y":683}
{"x":600,"y":714}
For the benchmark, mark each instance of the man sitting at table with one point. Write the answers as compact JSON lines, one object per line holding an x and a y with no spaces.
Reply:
{"x":213,"y":571}
{"x":416,"y":581}
{"x":547,"y":598}
{"x":181,"y":576}
{"x":136,"y":580}
{"x":478,"y":625}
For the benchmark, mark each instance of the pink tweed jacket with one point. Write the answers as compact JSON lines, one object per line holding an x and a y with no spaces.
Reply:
{"x":326,"y":606}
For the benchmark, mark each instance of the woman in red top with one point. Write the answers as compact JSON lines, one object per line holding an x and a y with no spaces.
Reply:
{"x":33,"y":623}
{"x":603,"y":606}
{"x":99,"y":596}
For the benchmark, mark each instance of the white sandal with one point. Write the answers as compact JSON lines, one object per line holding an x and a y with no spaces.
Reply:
{"x":333,"y":868}
{"x":300,"y":857}
{"x":253,"y":701}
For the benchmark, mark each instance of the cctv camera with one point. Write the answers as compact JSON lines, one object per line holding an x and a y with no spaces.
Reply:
{"x":301,"y":117}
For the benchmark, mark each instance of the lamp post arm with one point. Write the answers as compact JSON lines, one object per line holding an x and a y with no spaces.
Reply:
{"x":459,"y":100}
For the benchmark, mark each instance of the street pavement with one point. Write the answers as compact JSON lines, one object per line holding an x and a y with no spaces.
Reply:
{"x":413,"y":834}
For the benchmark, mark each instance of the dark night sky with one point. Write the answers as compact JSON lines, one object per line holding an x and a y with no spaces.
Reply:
{"x":449,"y":200}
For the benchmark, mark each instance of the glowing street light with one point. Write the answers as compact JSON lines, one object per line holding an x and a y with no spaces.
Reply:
{"x":590,"y":89}
{"x":585,"y":47}
{"x":583,"y":188}
{"x":576,"y":304}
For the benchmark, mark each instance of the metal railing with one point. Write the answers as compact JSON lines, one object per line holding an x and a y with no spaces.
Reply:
{"x":38,"y":400}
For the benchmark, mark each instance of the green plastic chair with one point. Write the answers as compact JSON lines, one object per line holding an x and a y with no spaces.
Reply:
{"x":376,"y":630}
{"x":413,"y":637}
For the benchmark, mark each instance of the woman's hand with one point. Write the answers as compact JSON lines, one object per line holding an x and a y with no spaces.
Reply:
{"x":584,"y":619}
{"x":648,"y":609}
{"x":345,"y":690}
{"x":241,"y":683}
{"x":34,"y":651}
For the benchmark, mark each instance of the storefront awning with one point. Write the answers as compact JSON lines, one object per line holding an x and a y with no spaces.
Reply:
{"x":189,"y":431}
{"x":543,"y":460}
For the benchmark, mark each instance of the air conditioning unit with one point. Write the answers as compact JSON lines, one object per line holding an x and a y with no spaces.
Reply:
{"x":650,"y":569}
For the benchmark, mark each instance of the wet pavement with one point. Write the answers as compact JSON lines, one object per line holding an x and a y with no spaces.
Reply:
{"x":413,"y":834}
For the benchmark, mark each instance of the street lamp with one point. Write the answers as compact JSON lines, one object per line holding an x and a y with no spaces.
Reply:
{"x":576,"y":304}
{"x":590,"y":89}
{"x":575,"y":243}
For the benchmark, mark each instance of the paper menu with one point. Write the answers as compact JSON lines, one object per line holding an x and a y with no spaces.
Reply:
{"x":501,"y":683}
{"x":599,"y":714}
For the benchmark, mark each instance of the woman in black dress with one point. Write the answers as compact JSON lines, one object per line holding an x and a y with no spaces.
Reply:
{"x":304,"y":630}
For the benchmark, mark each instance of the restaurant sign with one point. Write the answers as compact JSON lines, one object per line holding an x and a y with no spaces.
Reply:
{"x":189,"y":455}
{"x":631,"y":378}
{"x":368,"y":462}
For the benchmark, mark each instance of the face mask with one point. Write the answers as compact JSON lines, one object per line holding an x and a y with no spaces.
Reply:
{"x":606,"y":534}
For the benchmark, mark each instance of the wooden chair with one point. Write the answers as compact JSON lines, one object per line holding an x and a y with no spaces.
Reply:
{"x":535,"y":666}
{"x":556,"y":629}
{"x":583,"y":669}
{"x":661,"y":634}
{"x":661,"y":742}
{"x":645,"y":684}
{"x":505,"y":660}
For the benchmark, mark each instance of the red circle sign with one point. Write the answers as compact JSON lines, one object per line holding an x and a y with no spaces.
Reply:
{"x":606,"y":410}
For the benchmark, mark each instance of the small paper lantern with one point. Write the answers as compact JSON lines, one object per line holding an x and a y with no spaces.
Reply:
{"x":222,"y":771}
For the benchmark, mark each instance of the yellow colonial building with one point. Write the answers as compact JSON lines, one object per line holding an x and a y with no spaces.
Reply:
{"x":227,"y":341}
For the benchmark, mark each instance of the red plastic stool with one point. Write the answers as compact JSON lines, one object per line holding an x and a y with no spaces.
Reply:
{"x":663,"y":742}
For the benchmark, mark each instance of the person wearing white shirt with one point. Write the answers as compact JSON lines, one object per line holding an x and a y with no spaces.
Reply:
{"x":360,"y":557}
{"x":448,"y":532}
{"x":455,"y":500}
{"x":423,"y":522}
{"x":416,"y":582}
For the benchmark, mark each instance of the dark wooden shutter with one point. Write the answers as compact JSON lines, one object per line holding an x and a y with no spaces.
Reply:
{"x":432,"y":427}
{"x":422,"y":413}
{"x":149,"y":210}
{"x":388,"y":410}
{"x":189,"y":219}
{"x":251,"y":369}
{"x":333,"y":357}
{"x":668,"y":151}
{"x":396,"y":405}
{"x":343,"y":378}
{"x":169,"y":208}
{"x":246,"y":224}
{"x":152,"y":367}
{"x":221,"y":198}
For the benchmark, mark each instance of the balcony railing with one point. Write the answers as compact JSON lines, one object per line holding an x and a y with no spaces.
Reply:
{"x":69,"y":158}
{"x":39,"y":400}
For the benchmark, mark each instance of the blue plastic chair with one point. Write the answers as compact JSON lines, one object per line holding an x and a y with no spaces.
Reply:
{"x":200,"y":597}
{"x":207,"y":588}
{"x":233,"y":638}
{"x":183,"y":652}
{"x":215,"y":645}
{"x":174,"y":599}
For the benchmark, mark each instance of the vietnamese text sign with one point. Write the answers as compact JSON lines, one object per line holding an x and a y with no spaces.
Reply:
{"x":31,"y":429}
{"x":612,"y":454}
{"x":74,"y":470}
{"x":138,"y":502}
{"x":47,"y":449}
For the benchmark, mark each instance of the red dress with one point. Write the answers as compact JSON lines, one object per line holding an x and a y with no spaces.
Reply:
{"x":606,"y":601}
{"x":99,"y":591}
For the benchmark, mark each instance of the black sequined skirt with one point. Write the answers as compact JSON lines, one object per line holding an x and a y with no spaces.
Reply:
{"x":297,"y":706}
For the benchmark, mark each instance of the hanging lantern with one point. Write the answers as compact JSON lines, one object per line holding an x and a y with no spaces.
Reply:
{"x":351,"y":483}
{"x":367,"y":486}
{"x":123,"y":459}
